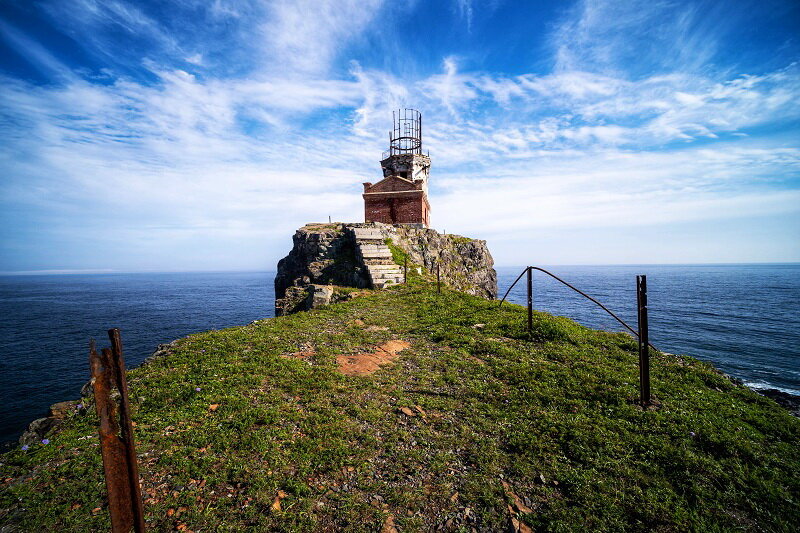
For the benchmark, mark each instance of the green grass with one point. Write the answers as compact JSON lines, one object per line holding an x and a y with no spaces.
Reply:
{"x":402,"y":258}
{"x":399,"y":256}
{"x":554,"y":416}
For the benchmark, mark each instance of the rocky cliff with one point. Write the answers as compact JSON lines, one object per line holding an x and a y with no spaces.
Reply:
{"x":328,"y":261}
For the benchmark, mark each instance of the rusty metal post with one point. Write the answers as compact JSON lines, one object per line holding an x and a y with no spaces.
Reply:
{"x":126,"y":428}
{"x":530,"y":301}
{"x":116,"y":439}
{"x":405,"y":269}
{"x":644,"y":341}
{"x":438,"y":279}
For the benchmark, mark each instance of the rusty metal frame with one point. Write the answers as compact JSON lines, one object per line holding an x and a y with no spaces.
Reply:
{"x":406,"y":134}
{"x":116,"y":438}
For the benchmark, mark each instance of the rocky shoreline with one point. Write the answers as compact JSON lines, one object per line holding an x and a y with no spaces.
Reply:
{"x":790,"y":402}
{"x":38,"y":430}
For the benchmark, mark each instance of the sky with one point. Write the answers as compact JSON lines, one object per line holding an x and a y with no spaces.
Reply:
{"x":200,"y":134}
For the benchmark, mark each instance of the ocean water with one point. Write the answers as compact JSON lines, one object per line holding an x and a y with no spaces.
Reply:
{"x":743,"y":318}
{"x":46,"y":323}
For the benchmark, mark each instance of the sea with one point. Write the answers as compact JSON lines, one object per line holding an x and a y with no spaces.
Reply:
{"x":745,"y":319}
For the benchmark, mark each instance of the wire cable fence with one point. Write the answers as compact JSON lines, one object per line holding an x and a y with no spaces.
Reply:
{"x":641,"y":334}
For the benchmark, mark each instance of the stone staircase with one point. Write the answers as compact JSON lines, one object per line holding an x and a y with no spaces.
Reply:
{"x":377,"y":257}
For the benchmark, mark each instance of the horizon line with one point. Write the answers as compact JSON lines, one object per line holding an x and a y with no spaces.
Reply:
{"x":100,"y":271}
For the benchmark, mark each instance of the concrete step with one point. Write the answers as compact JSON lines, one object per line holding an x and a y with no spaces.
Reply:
{"x":385,"y":271}
{"x":377,"y":255}
{"x":386,"y":275}
{"x":393,"y":277}
{"x":384,"y":267}
{"x":367,"y":234}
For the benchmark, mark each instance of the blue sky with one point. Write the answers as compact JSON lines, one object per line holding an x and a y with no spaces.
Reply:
{"x":198,"y":135}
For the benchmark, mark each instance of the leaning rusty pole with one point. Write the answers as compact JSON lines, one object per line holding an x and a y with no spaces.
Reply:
{"x":116,"y":438}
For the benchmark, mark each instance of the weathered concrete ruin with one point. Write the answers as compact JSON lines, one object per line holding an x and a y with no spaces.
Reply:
{"x":329,"y":261}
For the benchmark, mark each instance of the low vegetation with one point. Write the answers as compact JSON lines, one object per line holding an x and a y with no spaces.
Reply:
{"x":472,"y":426}
{"x":400,"y":257}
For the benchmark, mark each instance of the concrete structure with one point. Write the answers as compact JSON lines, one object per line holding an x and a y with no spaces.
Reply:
{"x":373,"y":252}
{"x":401,"y":197}
{"x":328,"y":261}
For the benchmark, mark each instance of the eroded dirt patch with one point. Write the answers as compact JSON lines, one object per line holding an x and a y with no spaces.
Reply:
{"x":363,"y":364}
{"x":307,"y":353}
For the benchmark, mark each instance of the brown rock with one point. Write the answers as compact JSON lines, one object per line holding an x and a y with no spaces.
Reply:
{"x":388,"y":525}
{"x":276,"y":503}
{"x":61,"y":410}
{"x":519,"y":505}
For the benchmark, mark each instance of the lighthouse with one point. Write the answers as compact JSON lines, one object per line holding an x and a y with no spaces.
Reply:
{"x":401,"y":197}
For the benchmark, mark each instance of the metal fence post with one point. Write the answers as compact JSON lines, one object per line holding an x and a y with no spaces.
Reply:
{"x":644,"y":341}
{"x":530,"y":300}
{"x":126,"y":428}
{"x":438,"y":279}
{"x":116,"y":439}
{"x":405,"y":269}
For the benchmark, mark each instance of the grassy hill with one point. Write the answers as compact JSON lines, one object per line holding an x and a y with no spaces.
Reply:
{"x":294,"y":424}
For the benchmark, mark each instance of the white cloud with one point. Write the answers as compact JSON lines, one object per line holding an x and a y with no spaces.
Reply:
{"x":195,"y":59}
{"x":653,"y":35}
{"x":35,"y":53}
{"x":451,"y":89}
{"x":622,"y":189}
{"x":240,"y":158}
{"x":302,"y":37}
{"x":465,"y":11}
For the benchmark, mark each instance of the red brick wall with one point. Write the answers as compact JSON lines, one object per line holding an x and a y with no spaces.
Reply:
{"x":410,"y":208}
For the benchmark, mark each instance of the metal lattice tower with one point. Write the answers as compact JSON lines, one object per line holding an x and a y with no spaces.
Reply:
{"x":406,"y":134}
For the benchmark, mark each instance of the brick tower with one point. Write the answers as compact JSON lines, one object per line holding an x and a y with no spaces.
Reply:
{"x":401,"y":197}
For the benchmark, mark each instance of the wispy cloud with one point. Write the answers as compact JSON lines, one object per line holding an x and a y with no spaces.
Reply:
{"x":35,"y":53}
{"x":465,"y":11}
{"x":191,"y":157}
{"x":637,"y":37}
{"x":302,"y":37}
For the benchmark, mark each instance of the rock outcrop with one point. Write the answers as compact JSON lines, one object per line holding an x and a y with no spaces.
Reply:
{"x":343,"y":257}
{"x":464,"y":264}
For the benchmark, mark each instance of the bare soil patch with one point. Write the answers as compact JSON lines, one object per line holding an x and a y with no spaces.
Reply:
{"x":363,"y":364}
{"x":306,"y":354}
